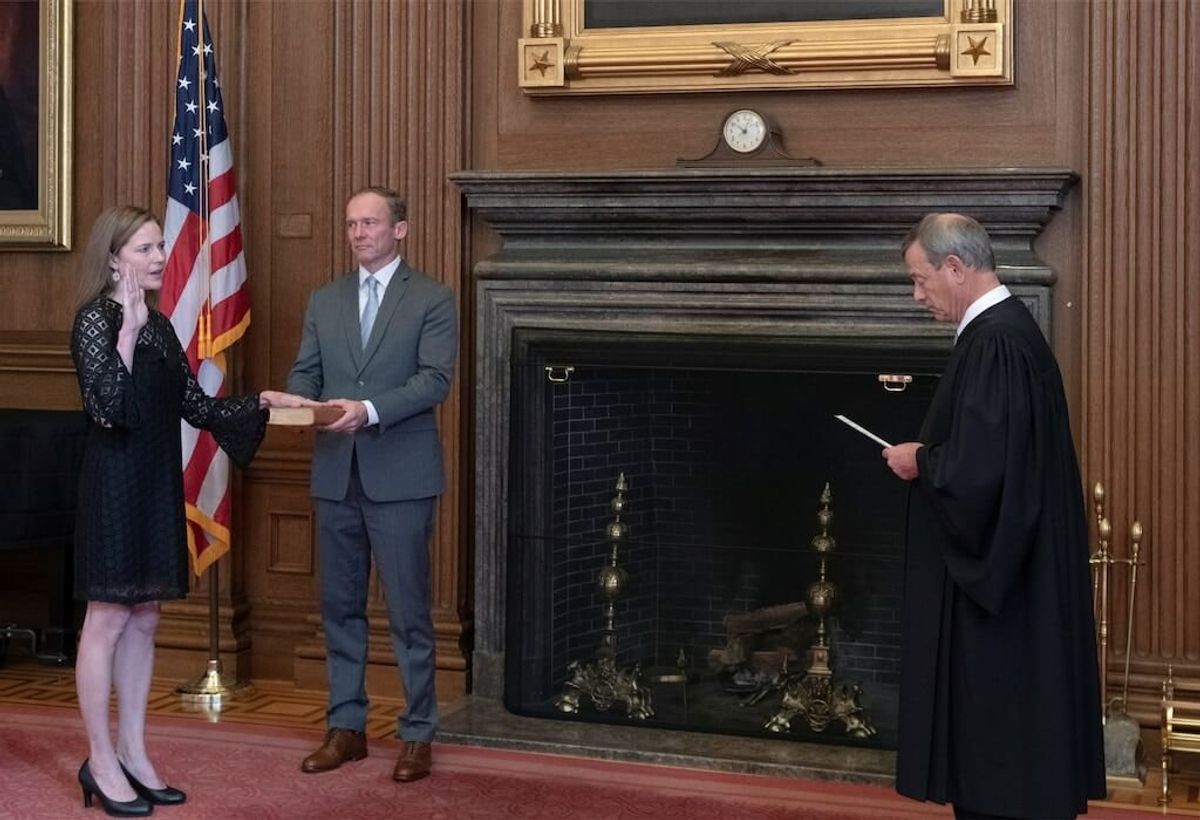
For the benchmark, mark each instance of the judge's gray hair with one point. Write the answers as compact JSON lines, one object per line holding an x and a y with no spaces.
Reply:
{"x":941,"y":235}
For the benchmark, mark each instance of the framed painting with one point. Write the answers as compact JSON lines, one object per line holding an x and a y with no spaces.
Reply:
{"x":35,"y":124}
{"x":643,"y":46}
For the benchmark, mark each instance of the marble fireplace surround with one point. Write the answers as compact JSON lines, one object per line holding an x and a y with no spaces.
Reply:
{"x":809,"y":253}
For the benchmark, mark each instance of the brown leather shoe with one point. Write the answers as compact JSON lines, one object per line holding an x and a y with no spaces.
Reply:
{"x":415,"y":761}
{"x":340,"y":746}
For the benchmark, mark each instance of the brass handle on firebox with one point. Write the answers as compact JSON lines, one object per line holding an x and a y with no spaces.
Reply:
{"x":558,"y":374}
{"x":894,"y":383}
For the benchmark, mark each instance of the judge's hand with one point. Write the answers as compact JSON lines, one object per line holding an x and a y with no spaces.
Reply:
{"x":275,"y":398}
{"x":902,"y":459}
{"x":354,"y":416}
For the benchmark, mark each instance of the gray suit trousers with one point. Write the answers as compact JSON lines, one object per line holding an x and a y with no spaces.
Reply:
{"x":395,"y":534}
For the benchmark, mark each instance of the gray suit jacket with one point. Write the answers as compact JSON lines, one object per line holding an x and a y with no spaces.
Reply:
{"x":405,"y":371}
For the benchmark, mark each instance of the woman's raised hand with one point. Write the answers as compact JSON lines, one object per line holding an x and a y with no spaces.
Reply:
{"x":132,"y":298}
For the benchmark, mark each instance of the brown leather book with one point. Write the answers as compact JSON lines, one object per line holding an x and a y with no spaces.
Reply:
{"x":304,"y":416}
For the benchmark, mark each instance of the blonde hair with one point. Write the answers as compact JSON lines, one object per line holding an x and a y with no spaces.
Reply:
{"x":111,"y":230}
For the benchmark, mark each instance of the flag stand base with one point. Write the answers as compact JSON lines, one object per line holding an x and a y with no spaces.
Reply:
{"x":213,"y":687}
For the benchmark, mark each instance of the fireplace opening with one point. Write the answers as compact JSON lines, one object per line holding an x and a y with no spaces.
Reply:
{"x":695,"y":600}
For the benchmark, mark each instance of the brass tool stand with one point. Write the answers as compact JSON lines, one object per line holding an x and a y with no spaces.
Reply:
{"x":814,"y":696}
{"x":601,"y":680}
{"x":212,"y":688}
{"x":1124,"y":755}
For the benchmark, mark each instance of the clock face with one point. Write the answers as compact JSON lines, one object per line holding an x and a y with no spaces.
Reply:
{"x":744,"y":131}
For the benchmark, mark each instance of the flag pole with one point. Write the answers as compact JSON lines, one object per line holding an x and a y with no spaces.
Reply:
{"x":213,"y":687}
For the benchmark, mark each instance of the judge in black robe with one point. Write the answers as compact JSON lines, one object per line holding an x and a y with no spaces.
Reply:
{"x":999,"y":690}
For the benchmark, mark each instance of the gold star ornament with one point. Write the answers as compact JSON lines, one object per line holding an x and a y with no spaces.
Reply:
{"x":978,"y":49}
{"x":542,"y":63}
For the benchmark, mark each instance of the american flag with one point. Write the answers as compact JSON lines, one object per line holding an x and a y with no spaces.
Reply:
{"x":204,"y":291}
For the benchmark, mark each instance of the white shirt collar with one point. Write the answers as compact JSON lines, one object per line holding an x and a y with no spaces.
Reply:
{"x":993,"y":297}
{"x":384,"y":275}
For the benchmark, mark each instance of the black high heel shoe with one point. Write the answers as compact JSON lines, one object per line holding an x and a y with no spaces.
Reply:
{"x":166,"y":796}
{"x":138,"y":807}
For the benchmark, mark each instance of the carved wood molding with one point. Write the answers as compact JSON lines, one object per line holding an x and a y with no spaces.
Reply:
{"x":35,"y":352}
{"x":36,"y":371}
{"x":275,"y":466}
{"x":1141,"y":379}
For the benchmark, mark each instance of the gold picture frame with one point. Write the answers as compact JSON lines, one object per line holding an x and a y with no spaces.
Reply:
{"x":35,"y":121}
{"x":970,"y":43}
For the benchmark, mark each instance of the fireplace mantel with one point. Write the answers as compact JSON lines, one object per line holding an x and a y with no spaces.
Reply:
{"x":749,"y":214}
{"x":764,"y":253}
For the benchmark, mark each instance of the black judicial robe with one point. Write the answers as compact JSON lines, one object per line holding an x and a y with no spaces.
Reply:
{"x":999,"y":690}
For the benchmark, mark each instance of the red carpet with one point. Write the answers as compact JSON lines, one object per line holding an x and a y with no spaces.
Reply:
{"x":248,"y":772}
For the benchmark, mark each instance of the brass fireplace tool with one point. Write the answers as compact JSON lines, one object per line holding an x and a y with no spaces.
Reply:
{"x":1101,"y":560}
{"x":1124,"y":755}
{"x":813,"y":695}
{"x":601,"y":680}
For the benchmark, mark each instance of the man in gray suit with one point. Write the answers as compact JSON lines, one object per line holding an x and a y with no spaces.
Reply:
{"x":380,"y":343}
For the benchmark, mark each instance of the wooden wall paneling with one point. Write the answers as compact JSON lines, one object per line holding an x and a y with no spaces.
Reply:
{"x":1141,"y":383}
{"x":1187,"y":292}
{"x":874,"y":127}
{"x":280,"y":547}
{"x":397,"y":103}
{"x":1062,"y":241}
{"x":437,"y":247}
{"x":287,"y":206}
{"x":136,"y":84}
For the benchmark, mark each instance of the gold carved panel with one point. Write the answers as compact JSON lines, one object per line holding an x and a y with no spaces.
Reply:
{"x":969,"y":43}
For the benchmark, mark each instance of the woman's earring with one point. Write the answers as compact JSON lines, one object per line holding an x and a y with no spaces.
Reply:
{"x":116,"y":277}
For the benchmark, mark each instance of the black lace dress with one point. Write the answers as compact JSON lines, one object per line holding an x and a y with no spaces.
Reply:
{"x":130,"y":536}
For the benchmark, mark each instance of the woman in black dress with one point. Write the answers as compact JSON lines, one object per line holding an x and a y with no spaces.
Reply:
{"x":130,"y":539}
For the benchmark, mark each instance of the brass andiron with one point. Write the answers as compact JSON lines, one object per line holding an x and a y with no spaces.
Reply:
{"x":601,"y":681}
{"x":1180,"y":729}
{"x":814,"y":696}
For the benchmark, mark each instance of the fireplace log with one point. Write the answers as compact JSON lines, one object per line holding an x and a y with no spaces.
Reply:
{"x":743,"y":629}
